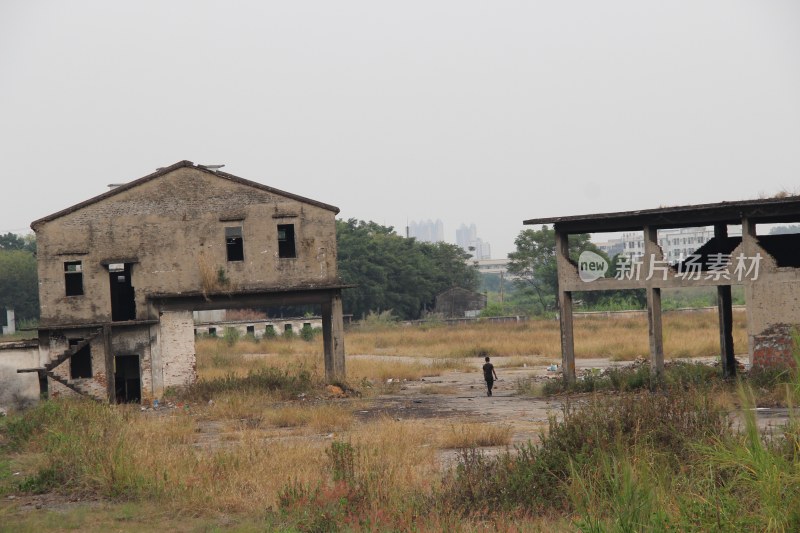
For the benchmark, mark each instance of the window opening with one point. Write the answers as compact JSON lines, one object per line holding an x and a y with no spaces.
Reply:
{"x":234,"y":243}
{"x":286,"y":248}
{"x":73,"y":278}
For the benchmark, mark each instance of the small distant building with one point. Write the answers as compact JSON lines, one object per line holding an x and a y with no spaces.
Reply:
{"x":259,"y":328}
{"x":459,"y":303}
{"x":491,"y":266}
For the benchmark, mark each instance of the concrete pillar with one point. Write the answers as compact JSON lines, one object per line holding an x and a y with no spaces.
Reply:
{"x":725,"y":309}
{"x":11,"y":322}
{"x":333,"y":337}
{"x":749,"y":249}
{"x":565,"y":309}
{"x":107,"y":347}
{"x":652,"y":252}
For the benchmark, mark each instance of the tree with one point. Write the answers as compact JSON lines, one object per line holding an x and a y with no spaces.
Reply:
{"x":12,"y":241}
{"x":392,"y":272}
{"x":19,"y":285}
{"x":534,"y":262}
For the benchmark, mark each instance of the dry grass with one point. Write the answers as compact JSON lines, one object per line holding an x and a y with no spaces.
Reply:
{"x":434,"y":350}
{"x":328,"y":418}
{"x":468,"y":435}
{"x":212,"y":277}
{"x":235,"y":455}
{"x":288,"y":416}
{"x":685,"y":335}
{"x":437,"y":389}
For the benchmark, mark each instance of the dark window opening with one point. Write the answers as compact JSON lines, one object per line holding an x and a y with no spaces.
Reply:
{"x":234,"y":243}
{"x":212,"y":332}
{"x":80,"y":364}
{"x":127,"y":379}
{"x":270,"y":330}
{"x":73,"y":278}
{"x":123,"y":297}
{"x":286,"y":247}
{"x":306,"y":325}
{"x":251,"y":330}
{"x":287,"y":327}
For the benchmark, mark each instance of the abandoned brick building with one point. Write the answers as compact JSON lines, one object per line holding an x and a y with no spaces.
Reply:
{"x":767,"y":266}
{"x":120,"y":275}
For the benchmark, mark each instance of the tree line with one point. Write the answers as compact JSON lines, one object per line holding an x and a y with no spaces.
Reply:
{"x":19,"y":284}
{"x":394,"y":273}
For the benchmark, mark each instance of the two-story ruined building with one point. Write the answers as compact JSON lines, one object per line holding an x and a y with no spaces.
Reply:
{"x":121,"y":273}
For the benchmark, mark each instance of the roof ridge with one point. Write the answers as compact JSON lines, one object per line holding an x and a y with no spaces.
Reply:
{"x":166,"y":170}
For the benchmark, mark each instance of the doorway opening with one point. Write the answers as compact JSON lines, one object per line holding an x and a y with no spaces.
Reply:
{"x":123,"y":304}
{"x":127,"y":379}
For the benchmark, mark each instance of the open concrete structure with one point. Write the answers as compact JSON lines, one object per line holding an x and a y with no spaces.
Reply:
{"x":768,"y":266}
{"x":120,"y":275}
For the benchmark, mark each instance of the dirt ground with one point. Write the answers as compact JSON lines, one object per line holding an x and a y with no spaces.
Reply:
{"x":462,"y":396}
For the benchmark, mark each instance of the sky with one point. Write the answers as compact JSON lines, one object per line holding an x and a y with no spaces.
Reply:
{"x":466,"y":111}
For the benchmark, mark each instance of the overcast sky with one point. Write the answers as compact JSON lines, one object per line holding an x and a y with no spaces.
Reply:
{"x":468,"y":111}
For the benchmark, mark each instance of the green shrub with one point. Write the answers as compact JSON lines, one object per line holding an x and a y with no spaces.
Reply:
{"x":19,"y":428}
{"x":231,"y":336}
{"x":308,"y":333}
{"x":262,"y":379}
{"x":535,"y":477}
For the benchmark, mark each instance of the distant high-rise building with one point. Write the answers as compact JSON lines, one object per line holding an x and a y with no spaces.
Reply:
{"x":426,"y":230}
{"x":467,"y":239}
{"x":466,"y":234}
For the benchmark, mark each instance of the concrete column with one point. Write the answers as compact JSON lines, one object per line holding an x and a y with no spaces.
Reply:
{"x":333,"y":337}
{"x":565,"y":309}
{"x":725,"y":309}
{"x":107,"y":347}
{"x":749,"y":248}
{"x":653,"y":252}
{"x":11,"y":322}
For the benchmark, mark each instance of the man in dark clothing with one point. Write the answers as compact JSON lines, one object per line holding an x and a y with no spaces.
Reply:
{"x":489,"y":375}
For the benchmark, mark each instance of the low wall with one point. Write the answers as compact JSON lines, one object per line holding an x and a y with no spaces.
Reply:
{"x":257,"y":328}
{"x":18,"y":391}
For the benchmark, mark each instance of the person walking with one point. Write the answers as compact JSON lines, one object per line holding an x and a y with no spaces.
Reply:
{"x":489,"y":375}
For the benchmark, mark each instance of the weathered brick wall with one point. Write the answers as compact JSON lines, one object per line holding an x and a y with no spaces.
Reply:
{"x":177,"y":352}
{"x":773,"y":305}
{"x":172,"y":227}
{"x":773,"y":347}
{"x":94,"y":386}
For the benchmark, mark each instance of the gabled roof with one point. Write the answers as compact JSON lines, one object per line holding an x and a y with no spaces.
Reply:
{"x":166,"y":170}
{"x":765,"y":210}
